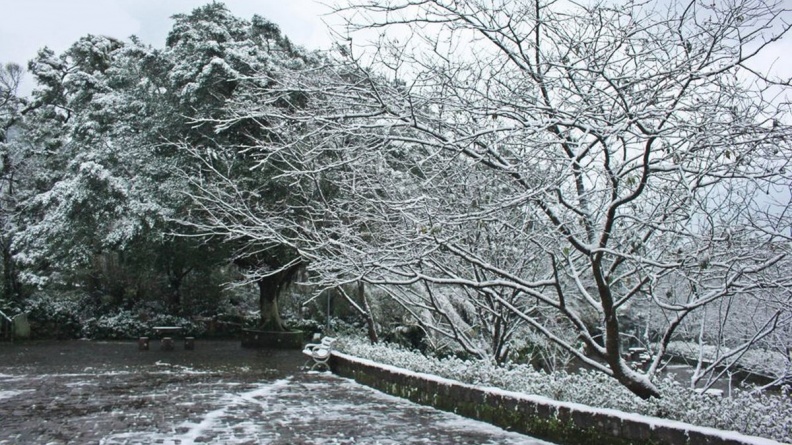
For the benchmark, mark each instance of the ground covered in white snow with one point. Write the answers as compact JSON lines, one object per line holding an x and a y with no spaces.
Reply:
{"x":110,"y":393}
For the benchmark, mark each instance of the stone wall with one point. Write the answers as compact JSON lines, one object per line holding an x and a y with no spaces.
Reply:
{"x":560,"y":422}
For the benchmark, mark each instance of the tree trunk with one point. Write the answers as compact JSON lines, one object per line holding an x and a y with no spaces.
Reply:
{"x":269,"y":289}
{"x":10,"y":282}
{"x":372,"y":331}
{"x":638,"y":384}
{"x":175,"y":280}
{"x":175,"y":295}
{"x":176,"y":273}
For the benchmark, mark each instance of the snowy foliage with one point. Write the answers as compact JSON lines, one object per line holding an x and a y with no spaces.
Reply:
{"x":762,"y":414}
{"x":124,"y":325}
{"x":595,"y":175}
{"x":529,"y":163}
{"x":764,"y":362}
{"x":109,"y":181}
{"x":16,"y":173}
{"x":101,"y":184}
{"x":54,"y":316}
{"x":120,"y":325}
{"x":72,"y":315}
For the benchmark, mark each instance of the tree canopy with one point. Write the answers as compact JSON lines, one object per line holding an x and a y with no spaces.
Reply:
{"x":576,"y":178}
{"x":607,"y":175}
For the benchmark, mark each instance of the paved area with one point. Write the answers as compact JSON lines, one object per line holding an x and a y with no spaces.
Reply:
{"x":81,"y":392}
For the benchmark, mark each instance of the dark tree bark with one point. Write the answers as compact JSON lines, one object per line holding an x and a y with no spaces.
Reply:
{"x":270,"y":288}
{"x":10,"y":278}
{"x":638,"y":384}
{"x":175,"y":280}
{"x":372,"y":331}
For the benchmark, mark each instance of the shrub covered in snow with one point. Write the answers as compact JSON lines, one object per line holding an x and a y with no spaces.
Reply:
{"x":54,"y":317}
{"x":78,"y":315}
{"x":128,"y":325}
{"x":190,"y":328}
{"x":762,"y":415}
{"x":120,"y":325}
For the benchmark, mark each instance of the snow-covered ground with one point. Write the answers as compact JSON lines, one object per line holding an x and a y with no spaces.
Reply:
{"x":264,"y":400}
{"x":320,"y":409}
{"x":7,"y":394}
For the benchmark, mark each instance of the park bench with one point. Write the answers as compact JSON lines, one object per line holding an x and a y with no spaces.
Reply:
{"x":320,"y":352}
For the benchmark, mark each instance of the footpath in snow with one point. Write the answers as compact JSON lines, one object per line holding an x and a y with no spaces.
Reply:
{"x":110,"y":393}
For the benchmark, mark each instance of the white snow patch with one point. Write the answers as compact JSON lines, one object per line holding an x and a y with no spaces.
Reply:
{"x":79,"y":384}
{"x":677,"y":366}
{"x":179,"y":369}
{"x":83,"y":374}
{"x":211,"y":421}
{"x":11,"y":394}
{"x":7,"y":378}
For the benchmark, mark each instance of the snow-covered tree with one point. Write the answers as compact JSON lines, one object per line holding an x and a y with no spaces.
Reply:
{"x":98,"y":182}
{"x":12,"y":173}
{"x":575,"y":164}
{"x":114,"y":124}
{"x":108,"y":189}
{"x":220,"y":59}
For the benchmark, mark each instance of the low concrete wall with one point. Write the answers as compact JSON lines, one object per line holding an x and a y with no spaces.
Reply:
{"x":561,"y":422}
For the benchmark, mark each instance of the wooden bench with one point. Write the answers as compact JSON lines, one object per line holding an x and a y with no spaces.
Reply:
{"x":320,"y":352}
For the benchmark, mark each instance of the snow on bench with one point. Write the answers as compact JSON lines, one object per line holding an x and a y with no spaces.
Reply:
{"x":320,"y":352}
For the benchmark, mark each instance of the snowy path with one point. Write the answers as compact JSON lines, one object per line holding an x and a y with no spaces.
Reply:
{"x":172,"y":403}
{"x":320,"y":409}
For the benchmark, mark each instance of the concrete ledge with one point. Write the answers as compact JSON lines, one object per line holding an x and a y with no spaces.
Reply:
{"x":561,"y":422}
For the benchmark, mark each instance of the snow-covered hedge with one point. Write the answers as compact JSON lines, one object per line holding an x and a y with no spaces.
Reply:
{"x":127,"y":325}
{"x":761,"y":415}
{"x":53,"y":317}
{"x":120,"y":325}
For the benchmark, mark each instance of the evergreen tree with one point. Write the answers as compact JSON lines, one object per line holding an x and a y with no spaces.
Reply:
{"x":12,"y":174}
{"x":114,"y":125}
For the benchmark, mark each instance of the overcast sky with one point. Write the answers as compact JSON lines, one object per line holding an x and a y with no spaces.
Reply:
{"x":28,"y":25}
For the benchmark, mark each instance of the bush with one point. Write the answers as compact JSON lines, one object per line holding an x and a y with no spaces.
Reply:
{"x":757,"y":414}
{"x":127,"y":325}
{"x":121,"y":325}
{"x":191,"y":328}
{"x":54,"y":317}
{"x":307,"y":325}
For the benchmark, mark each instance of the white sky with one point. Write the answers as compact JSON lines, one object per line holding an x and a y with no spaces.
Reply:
{"x":28,"y":25}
